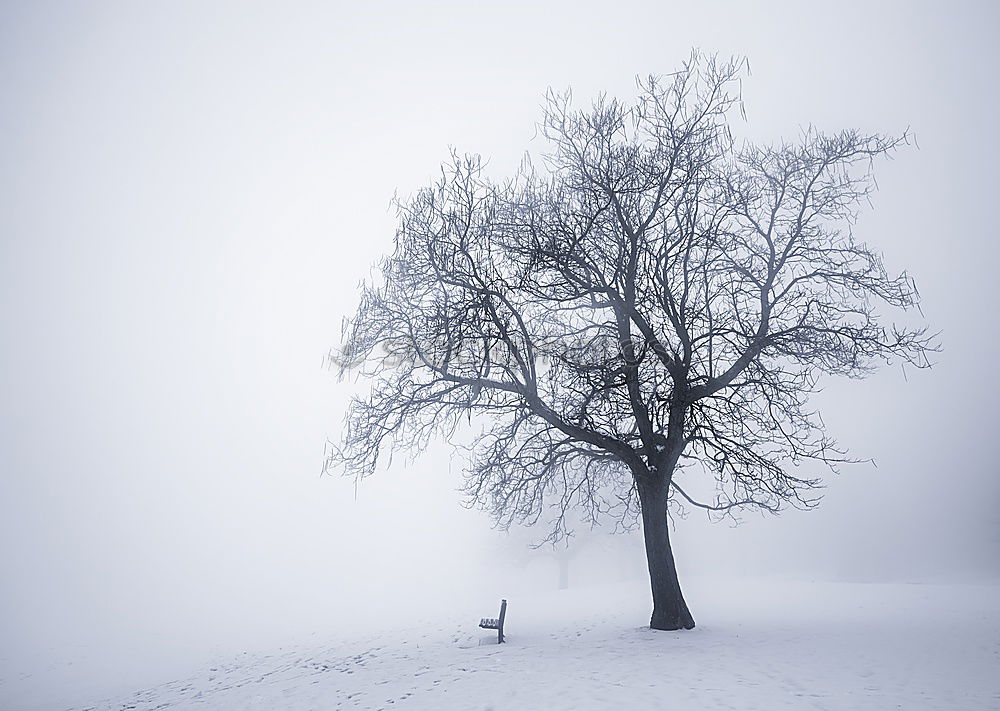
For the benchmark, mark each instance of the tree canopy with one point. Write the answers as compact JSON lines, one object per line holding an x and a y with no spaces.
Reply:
{"x":651,"y":302}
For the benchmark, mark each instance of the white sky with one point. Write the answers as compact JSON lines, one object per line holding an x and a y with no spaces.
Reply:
{"x":191,"y":192}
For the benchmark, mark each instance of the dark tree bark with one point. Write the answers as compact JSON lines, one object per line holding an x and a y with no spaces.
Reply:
{"x":670,"y":611}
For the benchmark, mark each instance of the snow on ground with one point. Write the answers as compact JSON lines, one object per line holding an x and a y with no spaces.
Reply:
{"x":758,"y":645}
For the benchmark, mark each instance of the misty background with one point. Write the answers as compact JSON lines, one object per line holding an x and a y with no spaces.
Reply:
{"x":190,"y":194}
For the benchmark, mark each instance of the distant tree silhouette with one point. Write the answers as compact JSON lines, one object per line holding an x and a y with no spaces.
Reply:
{"x":652,"y":306}
{"x":585,"y":543}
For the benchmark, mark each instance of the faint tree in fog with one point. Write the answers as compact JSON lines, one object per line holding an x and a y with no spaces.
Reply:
{"x":583,"y":542}
{"x":650,"y":307}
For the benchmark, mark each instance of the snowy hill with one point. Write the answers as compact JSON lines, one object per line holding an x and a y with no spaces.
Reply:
{"x":758,"y":645}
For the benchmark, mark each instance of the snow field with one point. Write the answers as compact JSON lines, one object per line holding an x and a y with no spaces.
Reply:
{"x":758,"y":645}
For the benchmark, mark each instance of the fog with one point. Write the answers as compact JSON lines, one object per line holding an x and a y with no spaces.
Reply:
{"x":190,"y":194}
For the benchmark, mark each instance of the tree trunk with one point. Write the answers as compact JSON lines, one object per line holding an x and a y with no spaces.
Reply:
{"x":670,"y":612}
{"x":563,"y":571}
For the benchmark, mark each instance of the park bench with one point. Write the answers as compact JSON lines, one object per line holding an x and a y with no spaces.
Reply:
{"x":488,"y":623}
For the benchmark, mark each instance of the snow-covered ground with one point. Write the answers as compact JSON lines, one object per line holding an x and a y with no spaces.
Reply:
{"x":758,"y":645}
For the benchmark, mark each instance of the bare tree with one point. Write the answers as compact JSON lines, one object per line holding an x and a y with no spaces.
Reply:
{"x":653,"y":305}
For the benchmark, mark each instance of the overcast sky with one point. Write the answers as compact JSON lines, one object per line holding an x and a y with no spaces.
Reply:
{"x":190,"y":193}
